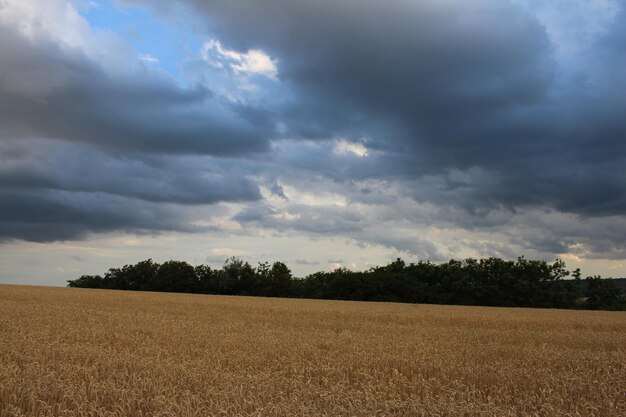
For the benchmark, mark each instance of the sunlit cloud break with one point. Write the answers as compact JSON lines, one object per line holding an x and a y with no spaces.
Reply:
{"x":253,"y":61}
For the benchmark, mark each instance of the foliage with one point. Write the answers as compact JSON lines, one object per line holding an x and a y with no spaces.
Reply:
{"x":603,"y":294}
{"x":487,"y":282}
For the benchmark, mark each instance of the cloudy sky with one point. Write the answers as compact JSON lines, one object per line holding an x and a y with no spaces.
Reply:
{"x":318,"y":133}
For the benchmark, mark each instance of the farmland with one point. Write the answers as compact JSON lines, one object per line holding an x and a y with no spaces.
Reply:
{"x":82,"y":352}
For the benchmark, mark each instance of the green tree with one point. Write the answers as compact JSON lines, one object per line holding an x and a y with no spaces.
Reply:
{"x":603,"y":294}
{"x":176,"y":276}
{"x":238,"y":277}
{"x":86,"y":281}
{"x":280,"y":280}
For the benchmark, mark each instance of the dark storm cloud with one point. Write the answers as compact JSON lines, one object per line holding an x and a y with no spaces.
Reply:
{"x":51,"y":92}
{"x":277,"y":190}
{"x":39,"y":164}
{"x":51,"y":216}
{"x":57,"y":191}
{"x":417,"y":64}
{"x":83,"y":150}
{"x":440,"y":86}
{"x":461,"y":105}
{"x":553,"y":232}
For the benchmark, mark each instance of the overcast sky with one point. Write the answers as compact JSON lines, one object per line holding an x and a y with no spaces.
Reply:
{"x":319,"y":133}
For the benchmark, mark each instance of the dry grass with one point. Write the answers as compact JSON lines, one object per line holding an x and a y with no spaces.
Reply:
{"x":73,"y":352}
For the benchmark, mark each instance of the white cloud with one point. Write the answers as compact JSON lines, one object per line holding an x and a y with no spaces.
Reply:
{"x":148,"y":59}
{"x":253,"y":61}
{"x":258,"y":62}
{"x":344,"y":147}
{"x":59,"y":22}
{"x":227,"y":252}
{"x":54,"y":19}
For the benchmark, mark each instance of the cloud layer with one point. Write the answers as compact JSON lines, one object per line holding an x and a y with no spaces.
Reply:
{"x":432,"y":128}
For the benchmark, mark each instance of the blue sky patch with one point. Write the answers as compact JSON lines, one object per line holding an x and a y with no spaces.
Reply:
{"x":156,"y":42}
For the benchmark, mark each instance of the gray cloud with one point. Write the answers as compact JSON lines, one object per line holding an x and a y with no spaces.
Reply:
{"x":306,"y":262}
{"x":352,"y":222}
{"x":277,"y":190}
{"x":39,"y":164}
{"x":52,"y":216}
{"x":438,"y":87}
{"x":59,"y":191}
{"x":52,"y":92}
{"x":84,"y":151}
{"x":470,"y":122}
{"x":303,"y":218}
{"x":433,"y":63}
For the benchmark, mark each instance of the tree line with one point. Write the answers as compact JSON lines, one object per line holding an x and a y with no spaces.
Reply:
{"x":480,"y":282}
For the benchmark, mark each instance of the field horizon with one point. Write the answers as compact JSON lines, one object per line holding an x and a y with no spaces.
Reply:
{"x":80,"y":352}
{"x":51,"y":286}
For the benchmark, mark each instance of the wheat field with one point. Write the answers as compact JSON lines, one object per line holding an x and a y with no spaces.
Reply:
{"x":76,"y":352}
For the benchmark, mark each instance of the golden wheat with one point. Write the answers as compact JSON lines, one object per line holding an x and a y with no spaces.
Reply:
{"x":75,"y":352}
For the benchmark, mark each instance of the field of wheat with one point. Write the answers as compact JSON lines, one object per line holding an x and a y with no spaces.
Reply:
{"x":75,"y":352}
